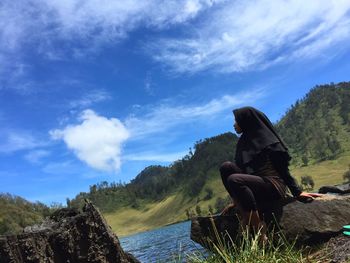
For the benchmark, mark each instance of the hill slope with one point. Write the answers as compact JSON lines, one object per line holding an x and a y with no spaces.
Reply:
{"x":317,"y":128}
{"x":16,"y":213}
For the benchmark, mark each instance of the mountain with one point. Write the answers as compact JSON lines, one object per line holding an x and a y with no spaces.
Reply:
{"x":154,"y":183}
{"x":317,"y":127}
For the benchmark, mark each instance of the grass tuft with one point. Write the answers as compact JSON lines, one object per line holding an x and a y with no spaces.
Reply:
{"x":248,"y":249}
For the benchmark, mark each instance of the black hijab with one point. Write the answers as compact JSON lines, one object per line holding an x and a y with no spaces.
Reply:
{"x":258,"y":134}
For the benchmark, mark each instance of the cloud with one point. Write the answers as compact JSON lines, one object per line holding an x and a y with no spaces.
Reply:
{"x":149,"y":84}
{"x":157,"y":157}
{"x":92,"y":97}
{"x":36,"y":156}
{"x":15,"y":140}
{"x":164,"y":116}
{"x":93,"y":21}
{"x":60,"y":169}
{"x":249,"y":35}
{"x":97,"y":140}
{"x":73,"y":29}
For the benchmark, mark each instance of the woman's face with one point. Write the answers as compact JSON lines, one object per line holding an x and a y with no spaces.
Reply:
{"x":237,"y":128}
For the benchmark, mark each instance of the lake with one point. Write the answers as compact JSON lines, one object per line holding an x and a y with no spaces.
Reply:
{"x":167,"y":244}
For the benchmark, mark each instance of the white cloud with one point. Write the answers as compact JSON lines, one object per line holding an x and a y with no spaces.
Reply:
{"x":92,"y":97}
{"x":165,"y":116}
{"x":157,"y":157}
{"x":96,"y":141}
{"x":36,"y":156}
{"x":232,"y":36}
{"x":93,"y":21}
{"x":71,"y":29}
{"x":250,"y":35}
{"x":16,"y":140}
{"x":60,"y":169}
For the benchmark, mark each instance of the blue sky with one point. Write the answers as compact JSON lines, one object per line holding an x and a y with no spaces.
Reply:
{"x":98,"y":90}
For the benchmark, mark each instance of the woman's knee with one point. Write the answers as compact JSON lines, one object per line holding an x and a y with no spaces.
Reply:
{"x":235,"y":179}
{"x":228,"y":168}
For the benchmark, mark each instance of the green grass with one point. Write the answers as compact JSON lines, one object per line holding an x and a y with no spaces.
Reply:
{"x":248,"y":249}
{"x":325,"y":173}
{"x":172,"y":209}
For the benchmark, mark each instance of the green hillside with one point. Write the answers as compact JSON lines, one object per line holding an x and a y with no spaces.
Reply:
{"x":16,"y":213}
{"x":317,"y":128}
{"x":186,"y":177}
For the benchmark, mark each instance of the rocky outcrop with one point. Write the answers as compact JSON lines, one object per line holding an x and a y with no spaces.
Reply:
{"x":214,"y":229}
{"x":309,"y":223}
{"x":336,"y":189}
{"x":317,"y":221}
{"x":68,"y":236}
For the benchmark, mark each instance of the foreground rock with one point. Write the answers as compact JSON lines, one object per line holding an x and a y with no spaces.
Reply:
{"x":337,"y":249}
{"x":68,"y":236}
{"x":310,"y":223}
{"x":318,"y":221}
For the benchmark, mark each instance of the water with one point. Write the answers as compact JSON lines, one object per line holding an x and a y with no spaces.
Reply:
{"x":167,"y":244}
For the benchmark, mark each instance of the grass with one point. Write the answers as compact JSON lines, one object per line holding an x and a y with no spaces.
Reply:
{"x":325,"y":173}
{"x":248,"y":249}
{"x":172,"y":209}
{"x":152,"y":215}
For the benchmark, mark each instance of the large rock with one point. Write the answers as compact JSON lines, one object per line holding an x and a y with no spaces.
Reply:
{"x":336,"y":189}
{"x":317,"y":221}
{"x":309,"y":223}
{"x":214,"y":229}
{"x":68,"y":236}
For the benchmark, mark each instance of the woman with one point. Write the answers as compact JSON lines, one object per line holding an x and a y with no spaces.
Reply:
{"x":260,"y":173}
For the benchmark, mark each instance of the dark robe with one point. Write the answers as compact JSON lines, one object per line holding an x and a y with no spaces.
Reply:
{"x":261,"y":151}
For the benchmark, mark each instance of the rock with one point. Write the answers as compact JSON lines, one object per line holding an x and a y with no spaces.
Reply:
{"x":318,"y":221}
{"x":309,"y":223}
{"x":204,"y":232}
{"x":336,"y":189}
{"x":68,"y":236}
{"x":336,"y":250}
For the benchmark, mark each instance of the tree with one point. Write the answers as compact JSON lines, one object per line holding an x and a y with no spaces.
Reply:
{"x":68,"y":202}
{"x":220,"y":204}
{"x":307,"y":182}
{"x":188,"y":213}
{"x":346,"y":175}
{"x":305,"y":160}
{"x":209,"y":194}
{"x":196,"y":184}
{"x":210,"y":209}
{"x":198,"y":210}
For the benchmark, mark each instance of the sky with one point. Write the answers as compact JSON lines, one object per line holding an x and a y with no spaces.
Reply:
{"x":95,"y":91}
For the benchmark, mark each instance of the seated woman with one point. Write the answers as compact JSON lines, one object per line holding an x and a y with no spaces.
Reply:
{"x":260,"y":173}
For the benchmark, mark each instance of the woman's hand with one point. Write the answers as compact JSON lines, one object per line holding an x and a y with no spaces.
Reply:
{"x":307,"y":197}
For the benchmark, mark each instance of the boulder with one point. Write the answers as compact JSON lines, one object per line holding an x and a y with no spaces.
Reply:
{"x":207,"y":231}
{"x":336,"y":189}
{"x":309,"y":223}
{"x":68,"y":235}
{"x":318,"y":221}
